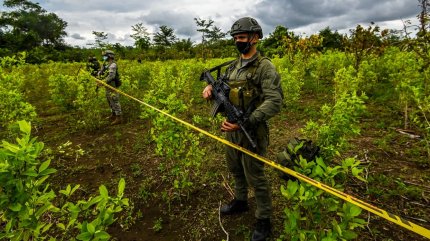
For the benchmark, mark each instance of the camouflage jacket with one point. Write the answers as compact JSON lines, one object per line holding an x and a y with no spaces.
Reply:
{"x":260,"y":75}
{"x":109,"y":72}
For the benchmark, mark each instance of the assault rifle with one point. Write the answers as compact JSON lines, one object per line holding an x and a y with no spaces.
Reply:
{"x":220,"y":93}
{"x":100,"y":73}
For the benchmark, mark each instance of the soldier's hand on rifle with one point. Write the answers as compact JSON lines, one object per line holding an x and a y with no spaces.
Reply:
{"x":227,"y":126}
{"x":207,"y":92}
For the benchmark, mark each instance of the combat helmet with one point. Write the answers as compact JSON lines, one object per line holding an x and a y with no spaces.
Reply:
{"x":246,"y":25}
{"x":109,"y":53}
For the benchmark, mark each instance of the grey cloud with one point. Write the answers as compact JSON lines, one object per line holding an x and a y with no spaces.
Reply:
{"x":116,"y":38}
{"x":117,"y":17}
{"x":77,"y":36}
{"x":111,"y":37}
{"x":339,"y":14}
{"x":102,"y":5}
{"x":182,"y":22}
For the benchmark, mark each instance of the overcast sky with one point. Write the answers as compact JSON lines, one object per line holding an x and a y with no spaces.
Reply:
{"x":304,"y":17}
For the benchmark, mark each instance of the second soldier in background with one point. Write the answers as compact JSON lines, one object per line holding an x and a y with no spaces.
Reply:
{"x":109,"y":73}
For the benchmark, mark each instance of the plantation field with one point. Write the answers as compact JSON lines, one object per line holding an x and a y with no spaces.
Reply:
{"x":370,"y":120}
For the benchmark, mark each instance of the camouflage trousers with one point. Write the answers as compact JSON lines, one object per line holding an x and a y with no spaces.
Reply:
{"x":113,"y":100}
{"x":248,"y":171}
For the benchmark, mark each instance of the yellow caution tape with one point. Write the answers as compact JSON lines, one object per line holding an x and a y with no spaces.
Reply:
{"x":382,"y":213}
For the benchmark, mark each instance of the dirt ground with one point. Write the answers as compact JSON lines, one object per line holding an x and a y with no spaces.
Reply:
{"x":195,"y":216}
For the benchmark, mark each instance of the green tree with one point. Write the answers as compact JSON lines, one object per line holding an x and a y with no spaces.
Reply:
{"x":211,"y":35}
{"x":331,"y":40}
{"x":100,"y":39}
{"x":165,"y":37}
{"x":119,"y":50}
{"x":141,"y":36}
{"x":185,"y":45}
{"x":29,"y":26}
{"x":423,"y":18}
{"x":203,"y":27}
{"x":421,"y":44}
{"x":363,"y":42}
{"x":216,"y":34}
{"x":275,"y":43}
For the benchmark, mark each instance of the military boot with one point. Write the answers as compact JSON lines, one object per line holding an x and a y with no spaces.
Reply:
{"x":235,"y":206}
{"x":262,"y":230}
{"x":117,"y":120}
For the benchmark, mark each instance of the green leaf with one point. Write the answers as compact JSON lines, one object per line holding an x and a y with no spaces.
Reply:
{"x":46,"y":228}
{"x":71,"y":222}
{"x":125,"y":202}
{"x":41,"y":180}
{"x":328,"y":239}
{"x":67,"y":190}
{"x":44,"y":165}
{"x":318,"y":171}
{"x":361,"y":178}
{"x":338,"y":229}
{"x":8,"y":226}
{"x":121,"y":187}
{"x":30,"y":172}
{"x":84,"y":236}
{"x":16,"y":207}
{"x":359,"y":221}
{"x":43,"y":209}
{"x":103,"y":191}
{"x":355,"y":210}
{"x":92,"y":201}
{"x":299,"y":145}
{"x":25,"y":127}
{"x":74,"y":189}
{"x":102,"y":235}
{"x":321,"y":163}
{"x":292,"y":187}
{"x":61,"y":226}
{"x":63,"y":192}
{"x":10,"y":147}
{"x":47,"y":171}
{"x":74,"y":208}
{"x":348,"y":235}
{"x":91,"y":229}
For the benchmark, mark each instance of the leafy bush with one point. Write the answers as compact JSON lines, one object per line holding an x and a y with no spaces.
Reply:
{"x":27,"y":203}
{"x":174,"y":141}
{"x":13,"y":106}
{"x":64,"y":90}
{"x":337,"y":124}
{"x":313,"y":214}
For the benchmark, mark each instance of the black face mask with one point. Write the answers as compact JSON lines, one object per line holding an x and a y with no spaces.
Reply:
{"x":243,"y":47}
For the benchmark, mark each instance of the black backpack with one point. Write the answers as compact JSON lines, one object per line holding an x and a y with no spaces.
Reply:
{"x":117,"y":80}
{"x":295,"y":148}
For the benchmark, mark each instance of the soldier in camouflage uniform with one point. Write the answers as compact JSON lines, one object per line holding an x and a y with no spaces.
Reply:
{"x":109,"y":73}
{"x":255,"y":87}
{"x":93,"y":66}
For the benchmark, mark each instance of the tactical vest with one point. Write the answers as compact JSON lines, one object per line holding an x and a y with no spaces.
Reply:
{"x":245,"y":92}
{"x":290,"y":155}
{"x":105,"y":72}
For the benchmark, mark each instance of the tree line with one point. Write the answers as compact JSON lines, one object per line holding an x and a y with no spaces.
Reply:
{"x":30,"y":28}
